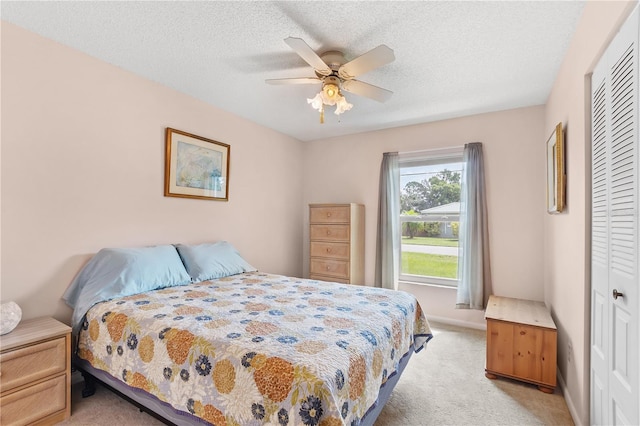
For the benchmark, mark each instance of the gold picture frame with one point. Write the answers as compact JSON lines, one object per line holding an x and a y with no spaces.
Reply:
{"x":556,"y":175}
{"x":195,"y":167}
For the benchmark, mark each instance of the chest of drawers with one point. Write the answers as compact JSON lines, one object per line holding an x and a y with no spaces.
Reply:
{"x":35,"y":373}
{"x":336,"y":234}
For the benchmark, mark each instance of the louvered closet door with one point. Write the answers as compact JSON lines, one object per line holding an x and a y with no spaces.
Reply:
{"x":615,"y":296}
{"x":599,"y":250}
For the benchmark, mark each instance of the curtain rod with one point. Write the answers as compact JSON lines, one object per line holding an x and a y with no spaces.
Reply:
{"x":431,"y":151}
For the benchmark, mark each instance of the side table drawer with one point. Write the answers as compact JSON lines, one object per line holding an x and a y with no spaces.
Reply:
{"x":34,"y":403}
{"x":29,"y":364}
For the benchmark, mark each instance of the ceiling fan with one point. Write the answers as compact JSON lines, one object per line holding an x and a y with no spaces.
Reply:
{"x":336,"y":74}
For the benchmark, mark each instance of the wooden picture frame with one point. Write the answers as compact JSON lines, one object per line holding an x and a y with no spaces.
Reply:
{"x":195,"y":167}
{"x":556,"y":175}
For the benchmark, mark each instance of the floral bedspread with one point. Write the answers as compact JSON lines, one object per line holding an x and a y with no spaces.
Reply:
{"x":257,"y":348}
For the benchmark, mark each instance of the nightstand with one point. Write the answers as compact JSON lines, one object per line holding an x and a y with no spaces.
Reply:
{"x":35,"y":373}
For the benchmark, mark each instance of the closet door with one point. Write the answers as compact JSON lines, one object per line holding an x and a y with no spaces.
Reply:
{"x":615,"y":297}
{"x":599,"y":246}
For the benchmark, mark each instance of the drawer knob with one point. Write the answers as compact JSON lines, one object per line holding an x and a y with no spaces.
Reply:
{"x":329,"y":214}
{"x":328,"y":232}
{"x":328,"y":268}
{"x":328,"y":250}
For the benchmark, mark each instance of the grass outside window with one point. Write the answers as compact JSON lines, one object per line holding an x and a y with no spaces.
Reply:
{"x":434,"y":265}
{"x":431,"y":241}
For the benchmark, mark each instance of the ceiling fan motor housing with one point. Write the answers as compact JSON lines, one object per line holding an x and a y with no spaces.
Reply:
{"x":331,"y":80}
{"x":334,"y":59}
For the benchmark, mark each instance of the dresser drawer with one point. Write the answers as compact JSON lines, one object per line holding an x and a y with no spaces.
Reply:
{"x":330,"y":249}
{"x":31,"y":363}
{"x":332,"y":279}
{"x":329,"y":214}
{"x":331,"y":268}
{"x":329,"y":232}
{"x":34,"y":403}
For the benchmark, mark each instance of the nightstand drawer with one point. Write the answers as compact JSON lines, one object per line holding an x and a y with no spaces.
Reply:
{"x":329,"y":232}
{"x":330,"y":249}
{"x":330,"y":214}
{"x":31,"y":363}
{"x":331,"y":268}
{"x":34,"y":403}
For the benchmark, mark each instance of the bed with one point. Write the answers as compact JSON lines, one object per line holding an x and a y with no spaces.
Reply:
{"x":198,"y":336}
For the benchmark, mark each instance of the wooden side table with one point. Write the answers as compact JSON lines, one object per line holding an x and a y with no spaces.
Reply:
{"x":35,"y":373}
{"x":521,"y":342}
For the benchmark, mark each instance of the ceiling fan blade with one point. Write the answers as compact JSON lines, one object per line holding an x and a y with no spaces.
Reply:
{"x":302,"y":80}
{"x":374,"y":58}
{"x":367,"y":90}
{"x":309,"y":56}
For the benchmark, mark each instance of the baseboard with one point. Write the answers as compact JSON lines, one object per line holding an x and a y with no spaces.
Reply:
{"x":568,"y":400}
{"x":460,"y":323}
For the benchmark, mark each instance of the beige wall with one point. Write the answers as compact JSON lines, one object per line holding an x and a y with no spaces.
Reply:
{"x":566,"y":236}
{"x":83,"y":168}
{"x":346,"y":169}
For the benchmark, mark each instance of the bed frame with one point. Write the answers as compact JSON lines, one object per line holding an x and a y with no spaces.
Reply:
{"x":170,"y":416}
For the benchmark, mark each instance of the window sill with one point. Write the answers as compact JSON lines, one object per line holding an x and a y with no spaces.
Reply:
{"x":405,"y":282}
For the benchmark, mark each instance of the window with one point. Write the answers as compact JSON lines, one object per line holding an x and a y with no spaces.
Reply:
{"x":429,"y":217}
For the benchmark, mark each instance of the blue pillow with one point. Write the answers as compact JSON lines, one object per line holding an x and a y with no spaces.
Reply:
{"x":117,"y":272}
{"x":212,"y":260}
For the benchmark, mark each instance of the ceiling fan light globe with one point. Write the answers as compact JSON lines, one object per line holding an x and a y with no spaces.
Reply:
{"x":316,"y":102}
{"x":342,"y":105}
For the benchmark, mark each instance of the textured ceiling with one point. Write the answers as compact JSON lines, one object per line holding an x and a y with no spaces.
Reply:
{"x":453,"y":58}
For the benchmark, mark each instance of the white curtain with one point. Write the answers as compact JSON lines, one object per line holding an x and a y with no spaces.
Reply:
{"x":474,"y":271}
{"x":388,"y":241}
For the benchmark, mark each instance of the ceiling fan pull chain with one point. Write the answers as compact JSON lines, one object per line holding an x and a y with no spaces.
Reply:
{"x":322,"y":116}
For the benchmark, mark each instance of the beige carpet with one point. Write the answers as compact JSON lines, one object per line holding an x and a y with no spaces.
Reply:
{"x":442,"y":385}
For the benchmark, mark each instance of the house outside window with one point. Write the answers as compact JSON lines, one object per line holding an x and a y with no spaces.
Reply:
{"x":430,"y":217}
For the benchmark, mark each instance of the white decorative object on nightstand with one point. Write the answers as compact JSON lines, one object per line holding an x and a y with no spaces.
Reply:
{"x":10,"y":316}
